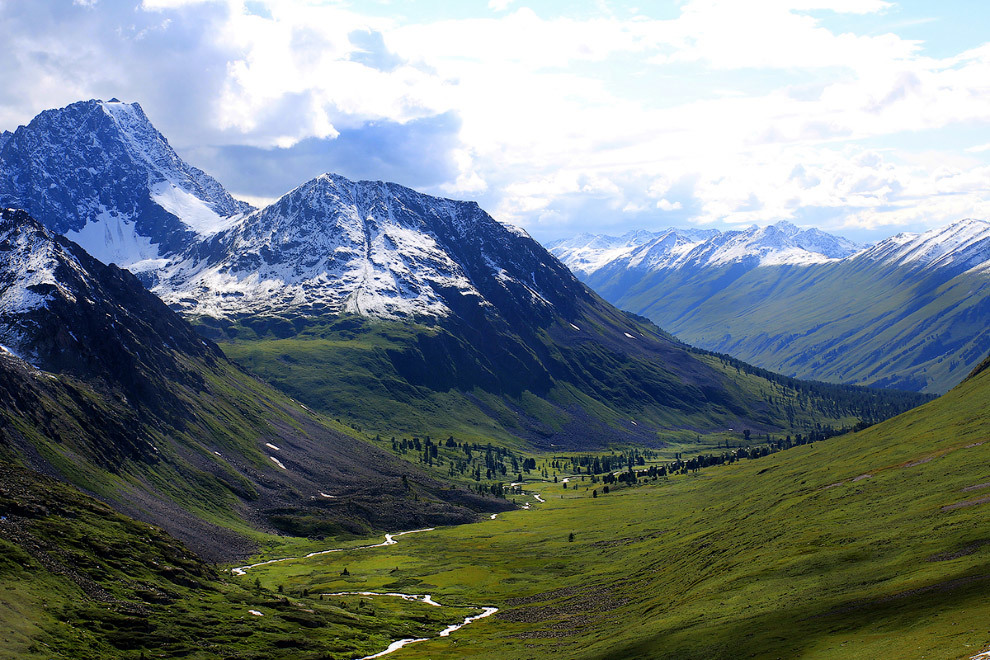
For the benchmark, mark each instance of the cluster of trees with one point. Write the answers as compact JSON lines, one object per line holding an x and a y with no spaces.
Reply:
{"x":466,"y":459}
{"x":686,"y":465}
{"x":590,"y":464}
{"x":808,"y":396}
{"x":487,"y":465}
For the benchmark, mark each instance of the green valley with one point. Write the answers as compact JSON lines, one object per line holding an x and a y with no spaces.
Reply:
{"x":868,"y":545}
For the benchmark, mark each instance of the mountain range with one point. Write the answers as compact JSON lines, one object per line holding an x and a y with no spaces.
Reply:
{"x":401,"y":312}
{"x":105,"y":387}
{"x":232,"y":375}
{"x":905,"y":313}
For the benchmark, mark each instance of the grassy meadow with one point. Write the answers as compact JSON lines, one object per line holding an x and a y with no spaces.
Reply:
{"x":873,"y":545}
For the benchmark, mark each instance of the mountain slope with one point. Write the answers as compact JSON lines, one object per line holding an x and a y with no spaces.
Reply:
{"x":906,"y":313}
{"x":100,"y":173}
{"x":104,"y":386}
{"x":864,"y":546}
{"x":430,"y":304}
{"x":82,"y":581}
{"x":383,"y":305}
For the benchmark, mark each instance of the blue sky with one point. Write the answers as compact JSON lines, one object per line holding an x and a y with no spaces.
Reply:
{"x":862,"y":117}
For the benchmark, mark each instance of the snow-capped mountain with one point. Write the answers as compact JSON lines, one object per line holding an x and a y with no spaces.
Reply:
{"x":369,"y":248}
{"x":61,"y":310}
{"x":779,"y":244}
{"x":908,"y":312}
{"x":104,"y":386}
{"x":102,"y":175}
{"x":586,"y":253}
{"x":958,"y":246}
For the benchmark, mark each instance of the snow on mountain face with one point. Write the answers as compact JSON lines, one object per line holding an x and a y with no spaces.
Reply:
{"x":370,"y":248}
{"x":33,"y":271}
{"x":778,"y":244}
{"x":101,"y":173}
{"x":586,"y":253}
{"x":66,"y":312}
{"x":960,"y":246}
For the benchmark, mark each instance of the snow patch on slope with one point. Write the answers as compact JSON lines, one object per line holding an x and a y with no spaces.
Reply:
{"x":964,"y":244}
{"x":193,"y":211}
{"x":331,"y":245}
{"x":113,"y":239}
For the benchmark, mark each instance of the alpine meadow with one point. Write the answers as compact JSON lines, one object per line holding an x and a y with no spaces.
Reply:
{"x":351,"y":330}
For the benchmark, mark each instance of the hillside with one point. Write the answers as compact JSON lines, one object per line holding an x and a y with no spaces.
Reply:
{"x":906,"y":313}
{"x":81,"y":581}
{"x":870,"y":545}
{"x":104,"y":386}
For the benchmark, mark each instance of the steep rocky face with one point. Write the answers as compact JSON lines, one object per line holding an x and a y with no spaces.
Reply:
{"x":100,"y":173}
{"x":65,"y":312}
{"x":369,"y":248}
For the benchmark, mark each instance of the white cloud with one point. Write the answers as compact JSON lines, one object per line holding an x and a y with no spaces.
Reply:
{"x":559,"y":120}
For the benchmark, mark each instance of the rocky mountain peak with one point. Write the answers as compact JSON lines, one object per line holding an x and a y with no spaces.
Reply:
{"x":364,"y":247}
{"x":100,"y":173}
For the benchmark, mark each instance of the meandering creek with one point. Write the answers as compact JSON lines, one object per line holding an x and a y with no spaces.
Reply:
{"x":390,"y":539}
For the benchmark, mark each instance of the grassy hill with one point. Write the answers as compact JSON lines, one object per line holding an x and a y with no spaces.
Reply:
{"x":871,"y":545}
{"x":607,"y":378}
{"x":81,"y":581}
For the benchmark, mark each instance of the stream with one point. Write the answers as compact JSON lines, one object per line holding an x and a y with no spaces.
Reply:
{"x":390,"y":539}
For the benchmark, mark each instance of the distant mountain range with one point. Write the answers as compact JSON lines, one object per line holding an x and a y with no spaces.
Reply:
{"x":399,"y":311}
{"x":908,"y":312}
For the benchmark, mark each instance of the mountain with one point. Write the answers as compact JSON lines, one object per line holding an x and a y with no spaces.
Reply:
{"x":779,"y":244}
{"x":905,"y":313}
{"x":105,"y":387}
{"x":102,"y":175}
{"x":447,"y":321}
{"x":401,"y":312}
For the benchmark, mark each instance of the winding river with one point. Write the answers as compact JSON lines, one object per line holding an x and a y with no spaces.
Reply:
{"x":390,"y":539}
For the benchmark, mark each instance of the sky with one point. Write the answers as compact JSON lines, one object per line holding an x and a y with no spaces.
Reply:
{"x":861,"y":117}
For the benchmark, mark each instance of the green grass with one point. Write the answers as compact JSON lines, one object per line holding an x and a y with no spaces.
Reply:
{"x":851,"y":322}
{"x":80,"y":581}
{"x":797,"y":554}
{"x":350,"y":370}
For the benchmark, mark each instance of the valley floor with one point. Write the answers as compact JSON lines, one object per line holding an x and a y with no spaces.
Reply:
{"x":875,"y":545}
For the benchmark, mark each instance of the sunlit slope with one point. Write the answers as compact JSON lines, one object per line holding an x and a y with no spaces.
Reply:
{"x":615,"y":379}
{"x":81,"y":581}
{"x":856,"y":321}
{"x":873,"y":545}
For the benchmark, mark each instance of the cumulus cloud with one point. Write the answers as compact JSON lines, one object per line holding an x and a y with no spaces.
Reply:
{"x":725,"y":113}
